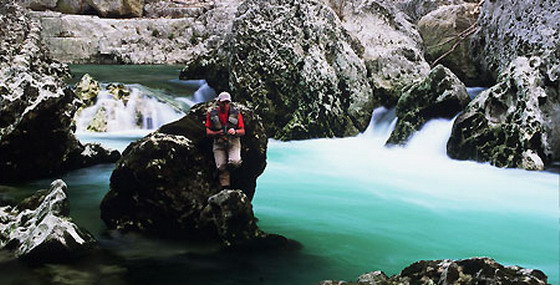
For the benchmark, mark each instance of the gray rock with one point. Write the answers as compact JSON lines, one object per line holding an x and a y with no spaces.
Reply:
{"x":392,"y":48}
{"x":442,"y":29}
{"x":39,"y":230}
{"x":118,"y":8}
{"x":476,"y":270}
{"x":36,"y":126}
{"x":440,"y":95}
{"x":515,"y":123}
{"x":166,"y":184}
{"x":508,"y":29}
{"x":294,"y":64}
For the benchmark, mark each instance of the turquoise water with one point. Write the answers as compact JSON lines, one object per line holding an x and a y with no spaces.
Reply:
{"x":355,"y":205}
{"x":160,"y":77}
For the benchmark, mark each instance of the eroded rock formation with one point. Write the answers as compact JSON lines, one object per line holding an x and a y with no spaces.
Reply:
{"x":515,"y":123}
{"x":39,"y":230}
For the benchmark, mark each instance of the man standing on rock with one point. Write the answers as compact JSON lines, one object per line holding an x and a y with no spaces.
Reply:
{"x":225,"y":124}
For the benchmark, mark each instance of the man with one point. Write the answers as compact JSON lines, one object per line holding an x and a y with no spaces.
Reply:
{"x":225,"y":124}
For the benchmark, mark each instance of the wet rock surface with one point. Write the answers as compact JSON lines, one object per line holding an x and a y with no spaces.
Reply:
{"x":39,"y":230}
{"x":166,"y":184}
{"x":440,"y":95}
{"x":477,"y":270}
{"x":36,"y":133}
{"x":514,"y":123}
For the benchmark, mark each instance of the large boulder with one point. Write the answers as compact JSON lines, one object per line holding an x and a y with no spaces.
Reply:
{"x":166,"y":184}
{"x":392,"y":48}
{"x":450,"y":28}
{"x":515,"y":123}
{"x":39,"y":230}
{"x":36,"y":128}
{"x":440,"y":95}
{"x":295,"y":65}
{"x":477,"y":270}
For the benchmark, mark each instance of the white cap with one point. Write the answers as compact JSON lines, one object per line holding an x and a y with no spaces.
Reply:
{"x":224,"y":96}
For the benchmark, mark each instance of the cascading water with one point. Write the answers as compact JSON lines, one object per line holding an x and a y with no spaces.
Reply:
{"x":138,"y":111}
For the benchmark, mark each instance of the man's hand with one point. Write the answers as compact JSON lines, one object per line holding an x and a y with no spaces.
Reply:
{"x":232,"y":131}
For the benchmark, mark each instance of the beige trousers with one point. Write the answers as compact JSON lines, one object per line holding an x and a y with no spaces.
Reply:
{"x":227,"y":153}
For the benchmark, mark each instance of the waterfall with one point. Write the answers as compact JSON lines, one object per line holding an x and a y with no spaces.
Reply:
{"x":142,"y":109}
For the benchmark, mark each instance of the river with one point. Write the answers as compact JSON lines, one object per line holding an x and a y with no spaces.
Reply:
{"x":355,"y":205}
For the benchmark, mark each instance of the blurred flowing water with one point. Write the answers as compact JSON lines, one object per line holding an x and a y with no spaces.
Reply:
{"x":355,"y":205}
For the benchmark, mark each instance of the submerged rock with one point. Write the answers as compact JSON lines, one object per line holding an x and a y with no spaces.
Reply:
{"x":515,"y":123}
{"x":477,"y":270}
{"x":166,"y":184}
{"x":440,"y":95}
{"x":446,"y":27}
{"x":38,"y":229}
{"x":36,"y":129}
